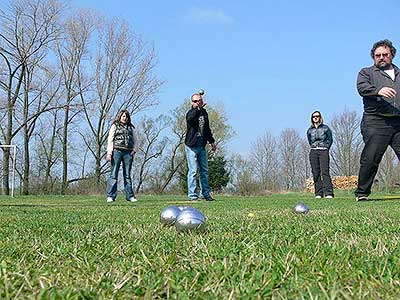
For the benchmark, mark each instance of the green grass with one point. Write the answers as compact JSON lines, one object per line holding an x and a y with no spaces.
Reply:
{"x":82,"y":248}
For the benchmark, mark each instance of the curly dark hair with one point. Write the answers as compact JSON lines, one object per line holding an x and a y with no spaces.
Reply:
{"x":384,"y":43}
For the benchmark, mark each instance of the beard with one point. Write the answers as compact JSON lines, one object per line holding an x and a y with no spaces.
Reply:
{"x":384,"y":65}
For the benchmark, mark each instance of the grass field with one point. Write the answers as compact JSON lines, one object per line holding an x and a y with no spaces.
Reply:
{"x":83,"y":248}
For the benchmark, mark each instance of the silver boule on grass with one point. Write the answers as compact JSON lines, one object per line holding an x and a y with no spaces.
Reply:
{"x":201,"y":92}
{"x":169,"y":214}
{"x":190,"y":219}
{"x":301,"y":208}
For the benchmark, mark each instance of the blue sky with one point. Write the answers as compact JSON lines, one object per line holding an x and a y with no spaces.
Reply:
{"x":271,"y":63}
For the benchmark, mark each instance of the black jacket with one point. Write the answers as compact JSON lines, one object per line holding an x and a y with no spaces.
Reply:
{"x":369,"y":81}
{"x":192,"y":123}
{"x":320,"y":137}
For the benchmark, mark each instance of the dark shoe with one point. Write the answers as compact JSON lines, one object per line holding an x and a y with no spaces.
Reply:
{"x":209,"y":198}
{"x":360,"y":198}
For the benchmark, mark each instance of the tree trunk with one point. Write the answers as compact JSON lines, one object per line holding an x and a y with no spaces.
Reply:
{"x":49,"y":164}
{"x":25,"y":181}
{"x":64,"y":184}
{"x":6,"y":171}
{"x":98,"y":170}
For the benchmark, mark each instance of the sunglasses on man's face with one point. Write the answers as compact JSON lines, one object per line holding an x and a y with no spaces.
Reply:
{"x":195,"y":101}
{"x":384,"y":55}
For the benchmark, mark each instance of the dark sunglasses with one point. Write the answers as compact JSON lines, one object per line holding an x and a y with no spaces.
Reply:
{"x":382,"y":54}
{"x":195,"y":101}
{"x":316,"y":116}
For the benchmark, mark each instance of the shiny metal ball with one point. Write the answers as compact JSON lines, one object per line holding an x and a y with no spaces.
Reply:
{"x":169,"y":214}
{"x":190,"y":219}
{"x":201,"y":92}
{"x":301,"y":208}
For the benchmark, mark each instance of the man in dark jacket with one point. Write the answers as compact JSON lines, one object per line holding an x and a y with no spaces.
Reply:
{"x":379,"y":86}
{"x":197,"y":135}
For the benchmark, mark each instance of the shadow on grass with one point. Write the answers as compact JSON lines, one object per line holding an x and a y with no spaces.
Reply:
{"x":385,"y":198}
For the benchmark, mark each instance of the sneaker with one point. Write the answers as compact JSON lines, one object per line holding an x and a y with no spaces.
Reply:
{"x":318,"y":197}
{"x":110,"y":199}
{"x":329,"y":196}
{"x":194,"y":199}
{"x":209,"y":198}
{"x":132,"y":199}
{"x":361,"y":198}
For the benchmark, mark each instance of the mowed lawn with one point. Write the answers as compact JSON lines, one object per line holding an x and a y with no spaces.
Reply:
{"x":83,"y":248}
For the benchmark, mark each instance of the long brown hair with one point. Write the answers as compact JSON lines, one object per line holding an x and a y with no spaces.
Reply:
{"x":117,"y":119}
{"x":321,"y":120}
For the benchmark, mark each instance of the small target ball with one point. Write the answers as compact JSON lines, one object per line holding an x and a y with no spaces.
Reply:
{"x":301,"y":208}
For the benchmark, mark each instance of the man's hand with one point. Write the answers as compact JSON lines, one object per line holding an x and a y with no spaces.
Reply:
{"x":108,"y":157}
{"x":387,"y":92}
{"x":202,"y":103}
{"x":213,"y":147}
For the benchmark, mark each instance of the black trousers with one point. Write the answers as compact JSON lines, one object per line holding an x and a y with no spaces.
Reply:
{"x":378,"y":133}
{"x":319,"y":160}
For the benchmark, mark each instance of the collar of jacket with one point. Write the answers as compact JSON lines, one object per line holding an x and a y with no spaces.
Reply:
{"x":396,"y":69}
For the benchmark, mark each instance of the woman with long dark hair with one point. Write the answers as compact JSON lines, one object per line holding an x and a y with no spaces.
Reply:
{"x":121,"y":149}
{"x":320,"y":139}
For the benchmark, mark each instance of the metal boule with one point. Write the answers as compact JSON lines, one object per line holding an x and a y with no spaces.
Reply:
{"x":169,"y":214}
{"x":190,"y":219}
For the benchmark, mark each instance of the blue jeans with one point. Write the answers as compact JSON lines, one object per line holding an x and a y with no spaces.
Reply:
{"x":197,"y":158}
{"x":126,"y":158}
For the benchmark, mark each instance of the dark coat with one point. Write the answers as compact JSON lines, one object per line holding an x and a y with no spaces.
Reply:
{"x":192,"y":123}
{"x":369,"y":81}
{"x":320,"y":137}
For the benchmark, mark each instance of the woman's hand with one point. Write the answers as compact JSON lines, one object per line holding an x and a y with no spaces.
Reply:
{"x":108,"y":157}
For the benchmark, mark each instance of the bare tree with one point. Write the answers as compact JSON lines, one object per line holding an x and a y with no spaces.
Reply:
{"x":290,"y":152}
{"x":28,"y":28}
{"x":174,"y":157}
{"x":71,"y":50}
{"x":304,"y":160}
{"x":388,"y":172}
{"x":265,"y":158}
{"x":347,"y":143}
{"x":219,"y":122}
{"x":151,"y":147}
{"x":39,"y":95}
{"x":48,"y":148}
{"x":123,"y":78}
{"x":242,"y":175}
